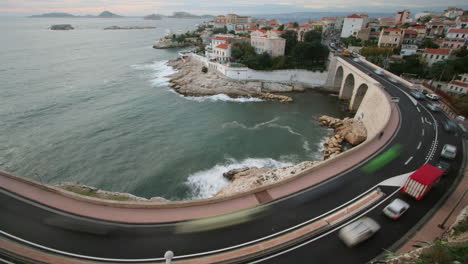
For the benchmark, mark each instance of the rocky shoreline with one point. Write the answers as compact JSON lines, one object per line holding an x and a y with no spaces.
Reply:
{"x":190,"y":81}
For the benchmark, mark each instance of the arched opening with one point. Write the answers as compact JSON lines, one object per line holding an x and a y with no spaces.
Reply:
{"x":360,"y":93}
{"x":338,"y":78}
{"x":348,"y":87}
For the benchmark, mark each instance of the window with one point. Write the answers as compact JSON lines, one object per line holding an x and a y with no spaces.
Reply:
{"x":451,"y":87}
{"x":432,"y":56}
{"x":461,"y":89}
{"x":437,"y":57}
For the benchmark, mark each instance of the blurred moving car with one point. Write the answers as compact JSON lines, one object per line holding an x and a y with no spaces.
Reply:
{"x":445,"y":166}
{"x":417,"y":95}
{"x":433,"y":97}
{"x":346,"y":53}
{"x":396,"y":209}
{"x":434,"y":107}
{"x":358,"y":231}
{"x":449,"y":151}
{"x":393,"y":80}
{"x":450,"y":126}
{"x":379,"y":72}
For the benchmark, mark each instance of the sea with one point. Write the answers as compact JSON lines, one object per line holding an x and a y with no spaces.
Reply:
{"x":93,"y":106}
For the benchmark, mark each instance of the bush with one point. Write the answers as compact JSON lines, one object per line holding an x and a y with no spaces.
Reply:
{"x":204,"y":69}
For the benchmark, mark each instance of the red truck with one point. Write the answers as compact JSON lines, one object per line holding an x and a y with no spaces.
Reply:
{"x":421,"y":181}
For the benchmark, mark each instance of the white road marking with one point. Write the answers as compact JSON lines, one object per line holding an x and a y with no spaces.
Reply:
{"x":427,"y":121}
{"x":419,"y":110}
{"x":422,"y":120}
{"x":419,"y":145}
{"x":423,"y":132}
{"x":408,"y":161}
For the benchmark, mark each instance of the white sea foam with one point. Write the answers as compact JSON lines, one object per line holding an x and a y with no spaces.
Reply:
{"x":256,"y":126}
{"x":159,"y":69}
{"x":319,"y":154}
{"x":223,"y":98}
{"x":207,"y":183}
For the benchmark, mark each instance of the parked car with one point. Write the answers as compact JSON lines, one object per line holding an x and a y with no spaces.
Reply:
{"x":393,"y":80}
{"x":396,"y":209}
{"x":356,"y":60}
{"x":423,"y":91}
{"x":433,"y":97}
{"x":434,"y":107}
{"x":379,"y":72}
{"x":445,"y":166}
{"x":450,"y":126}
{"x":417,"y":95}
{"x":358,"y":231}
{"x":449,"y":151}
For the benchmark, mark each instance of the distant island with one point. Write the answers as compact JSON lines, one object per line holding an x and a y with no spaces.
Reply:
{"x":105,"y":14}
{"x":153,"y":17}
{"x":62,"y":27}
{"x":127,"y":28}
{"x":188,"y":15}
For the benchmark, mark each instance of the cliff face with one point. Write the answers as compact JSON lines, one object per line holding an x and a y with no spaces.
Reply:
{"x":166,"y":43}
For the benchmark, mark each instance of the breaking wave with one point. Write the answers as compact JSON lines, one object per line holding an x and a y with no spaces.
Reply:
{"x":159,"y":69}
{"x":222,"y":98}
{"x":206,"y":183}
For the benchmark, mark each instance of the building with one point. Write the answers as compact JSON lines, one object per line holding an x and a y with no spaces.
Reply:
{"x":422,"y":14}
{"x":351,"y":23}
{"x":435,"y":28}
{"x":421,"y":30}
{"x":410,"y":36}
{"x":374,"y":35}
{"x":453,"y":12}
{"x":268,"y":41}
{"x":390,"y":37}
{"x":453,"y":43}
{"x":363,"y":34}
{"x":456,"y":33}
{"x":402,"y":17}
{"x":222,"y":52}
{"x":328,"y":23}
{"x":431,"y":56}
{"x":458,"y":87}
{"x":462,"y":21}
{"x":408,"y":50}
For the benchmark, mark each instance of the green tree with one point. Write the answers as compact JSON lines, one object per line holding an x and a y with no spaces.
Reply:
{"x":295,"y":25}
{"x":312,"y":35}
{"x":291,"y":40}
{"x":281,"y":28}
{"x":428,"y":43}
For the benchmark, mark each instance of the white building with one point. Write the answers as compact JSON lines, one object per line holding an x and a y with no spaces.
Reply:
{"x":422,"y":14}
{"x":222,"y":52}
{"x":458,"y":87}
{"x":453,"y":12}
{"x":351,"y":23}
{"x":407,"y":50}
{"x":456,"y":33}
{"x":432,"y":56}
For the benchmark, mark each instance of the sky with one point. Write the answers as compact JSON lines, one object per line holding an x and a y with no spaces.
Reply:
{"x":215,"y":7}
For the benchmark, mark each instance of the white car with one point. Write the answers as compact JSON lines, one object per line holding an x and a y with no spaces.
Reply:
{"x":396,"y":208}
{"x":434,"y":107}
{"x":379,"y":72}
{"x":433,"y":97}
{"x":358,"y":231}
{"x":449,"y":151}
{"x":393,"y":80}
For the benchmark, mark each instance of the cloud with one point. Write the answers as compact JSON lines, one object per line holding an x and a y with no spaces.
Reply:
{"x":141,"y":7}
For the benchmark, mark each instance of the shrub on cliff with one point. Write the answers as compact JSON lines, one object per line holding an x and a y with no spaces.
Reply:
{"x":204,"y":69}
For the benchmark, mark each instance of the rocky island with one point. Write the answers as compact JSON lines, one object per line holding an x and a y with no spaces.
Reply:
{"x":62,"y":27}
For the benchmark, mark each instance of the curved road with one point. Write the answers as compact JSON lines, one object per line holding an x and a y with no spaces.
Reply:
{"x":420,"y":134}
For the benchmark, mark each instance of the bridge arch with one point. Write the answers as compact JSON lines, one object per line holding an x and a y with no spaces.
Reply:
{"x":338,"y":80}
{"x":348,"y":87}
{"x":358,"y":97}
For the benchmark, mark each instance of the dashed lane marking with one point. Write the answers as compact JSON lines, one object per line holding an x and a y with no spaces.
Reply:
{"x":419,"y":145}
{"x":419,"y":110}
{"x":408,"y":161}
{"x":423,"y":132}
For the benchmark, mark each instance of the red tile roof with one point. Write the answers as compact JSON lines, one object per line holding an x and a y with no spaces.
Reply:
{"x":419,"y":27}
{"x":354,"y":16}
{"x":459,"y":83}
{"x":410,"y":32}
{"x":223,"y":46}
{"x":375,"y":33}
{"x":392,"y":29}
{"x":459,"y":30}
{"x":435,"y":24}
{"x":279,"y":31}
{"x":437,"y":51}
{"x":221,"y":38}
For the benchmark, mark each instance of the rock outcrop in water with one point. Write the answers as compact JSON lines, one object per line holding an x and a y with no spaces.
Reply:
{"x":62,"y":27}
{"x":246,"y":179}
{"x":168,"y":43}
{"x":105,"y":195}
{"x":349,"y":129}
{"x":189,"y":80}
{"x":127,"y":28}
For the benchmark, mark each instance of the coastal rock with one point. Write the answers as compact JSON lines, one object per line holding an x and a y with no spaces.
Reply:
{"x":230,"y":174}
{"x":189,"y":81}
{"x":277,"y":87}
{"x":105,"y":195}
{"x":251,"y":178}
{"x":168,"y":44}
{"x":351,"y":130}
{"x":127,"y":28}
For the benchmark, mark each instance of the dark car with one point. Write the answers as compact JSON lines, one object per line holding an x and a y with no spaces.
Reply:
{"x":417,"y":95}
{"x":450,"y":126}
{"x":445,"y":166}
